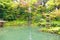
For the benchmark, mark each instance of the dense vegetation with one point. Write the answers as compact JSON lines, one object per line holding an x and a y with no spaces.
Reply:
{"x":17,"y":13}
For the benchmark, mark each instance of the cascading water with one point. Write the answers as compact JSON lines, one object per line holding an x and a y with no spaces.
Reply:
{"x":56,"y":8}
{"x":30,"y":35}
{"x":42,"y":3}
{"x":29,"y":23}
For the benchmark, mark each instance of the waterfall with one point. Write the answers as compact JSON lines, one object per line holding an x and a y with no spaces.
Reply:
{"x":42,"y":3}
{"x":56,"y":8}
{"x":29,"y":9}
{"x":30,"y":32}
{"x":46,"y":5}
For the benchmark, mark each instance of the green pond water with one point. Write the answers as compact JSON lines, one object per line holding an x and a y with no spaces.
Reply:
{"x":20,"y":33}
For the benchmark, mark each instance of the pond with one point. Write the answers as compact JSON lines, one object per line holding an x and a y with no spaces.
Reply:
{"x":20,"y":33}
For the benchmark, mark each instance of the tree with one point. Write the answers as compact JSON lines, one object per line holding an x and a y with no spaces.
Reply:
{"x":8,"y":11}
{"x":53,"y":3}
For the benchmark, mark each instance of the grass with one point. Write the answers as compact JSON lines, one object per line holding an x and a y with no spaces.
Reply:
{"x":55,"y":30}
{"x":15,"y":23}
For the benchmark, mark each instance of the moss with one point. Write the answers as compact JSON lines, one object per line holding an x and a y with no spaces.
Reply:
{"x":55,"y":30}
{"x":15,"y":23}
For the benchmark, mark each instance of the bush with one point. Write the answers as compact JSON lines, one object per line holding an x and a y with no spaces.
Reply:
{"x":8,"y":11}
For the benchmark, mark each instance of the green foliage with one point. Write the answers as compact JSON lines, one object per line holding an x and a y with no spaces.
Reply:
{"x":7,"y":10}
{"x":41,"y":9}
{"x":52,"y":4}
{"x":10,"y":10}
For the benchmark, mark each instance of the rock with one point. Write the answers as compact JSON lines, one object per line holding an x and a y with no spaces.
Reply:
{"x":2,"y":23}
